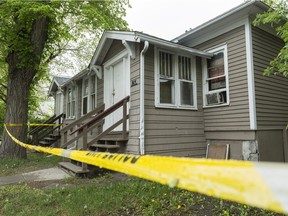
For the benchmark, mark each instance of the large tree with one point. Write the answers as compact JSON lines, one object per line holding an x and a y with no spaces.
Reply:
{"x":277,"y":17}
{"x":32,"y":33}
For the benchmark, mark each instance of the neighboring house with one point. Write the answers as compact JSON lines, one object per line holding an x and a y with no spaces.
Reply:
{"x":56,"y":91}
{"x":205,"y":86}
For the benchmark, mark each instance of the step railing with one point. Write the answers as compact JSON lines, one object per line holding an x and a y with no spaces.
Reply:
{"x":39,"y":132}
{"x":82,"y":130}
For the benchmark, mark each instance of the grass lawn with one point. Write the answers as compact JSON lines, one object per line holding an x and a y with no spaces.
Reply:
{"x":103,"y":195}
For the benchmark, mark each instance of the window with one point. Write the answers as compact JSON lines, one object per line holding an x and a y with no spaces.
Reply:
{"x":176,"y":81}
{"x":215,"y":78}
{"x":71,"y":102}
{"x":93,"y":92}
{"x":167,"y":79}
{"x":85,"y":96}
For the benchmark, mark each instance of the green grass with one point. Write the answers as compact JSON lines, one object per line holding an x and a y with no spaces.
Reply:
{"x":103,"y":196}
{"x":130,"y":197}
{"x":34,"y":161}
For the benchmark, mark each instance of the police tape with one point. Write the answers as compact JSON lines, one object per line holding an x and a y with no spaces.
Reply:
{"x":259,"y":184}
{"x":32,"y":125}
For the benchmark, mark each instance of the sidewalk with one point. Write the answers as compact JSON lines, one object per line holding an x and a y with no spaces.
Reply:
{"x":40,"y":175}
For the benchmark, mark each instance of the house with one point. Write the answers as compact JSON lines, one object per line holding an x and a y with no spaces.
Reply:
{"x":204,"y":87}
{"x":55,"y":91}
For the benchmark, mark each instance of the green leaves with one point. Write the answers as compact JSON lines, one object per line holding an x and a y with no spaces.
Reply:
{"x":276,"y":16}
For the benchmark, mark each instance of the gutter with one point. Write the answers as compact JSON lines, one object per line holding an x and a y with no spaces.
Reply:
{"x":142,"y":94}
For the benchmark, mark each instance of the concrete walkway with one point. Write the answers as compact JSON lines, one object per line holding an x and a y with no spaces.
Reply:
{"x":40,"y":175}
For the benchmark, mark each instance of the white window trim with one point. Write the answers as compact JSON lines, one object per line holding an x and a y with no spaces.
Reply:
{"x":91,"y":93}
{"x":67,"y":96}
{"x":89,"y":102}
{"x":177,"y":98}
{"x":205,"y":77}
{"x":83,"y":96}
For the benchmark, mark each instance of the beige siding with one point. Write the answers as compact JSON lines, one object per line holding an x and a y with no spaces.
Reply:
{"x":172,"y":131}
{"x":236,"y":115}
{"x":134,"y":121}
{"x":271,"y":92}
{"x":115,"y":48}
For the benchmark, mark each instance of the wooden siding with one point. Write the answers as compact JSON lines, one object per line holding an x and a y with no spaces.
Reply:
{"x":114,"y":49}
{"x":134,"y":112}
{"x":236,"y":115}
{"x":270,"y":92}
{"x":172,"y":131}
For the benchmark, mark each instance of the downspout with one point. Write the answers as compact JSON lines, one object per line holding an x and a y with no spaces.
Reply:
{"x":142,"y":123}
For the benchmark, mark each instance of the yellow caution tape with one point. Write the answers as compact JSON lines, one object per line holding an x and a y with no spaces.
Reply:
{"x":32,"y":125}
{"x":263,"y":185}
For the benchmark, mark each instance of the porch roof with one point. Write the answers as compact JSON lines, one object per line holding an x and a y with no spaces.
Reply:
{"x":57,"y":81}
{"x":137,"y":37}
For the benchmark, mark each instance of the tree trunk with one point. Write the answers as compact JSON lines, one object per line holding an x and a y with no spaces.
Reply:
{"x":19,"y":81}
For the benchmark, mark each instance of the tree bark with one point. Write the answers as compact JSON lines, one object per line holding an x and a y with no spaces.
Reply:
{"x":19,"y":82}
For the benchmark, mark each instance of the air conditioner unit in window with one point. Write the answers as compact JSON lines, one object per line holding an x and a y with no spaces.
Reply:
{"x":216,"y":98}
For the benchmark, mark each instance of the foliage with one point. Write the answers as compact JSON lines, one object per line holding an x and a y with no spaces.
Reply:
{"x":32,"y":35}
{"x":129,"y":197}
{"x":71,"y":23}
{"x":276,"y":16}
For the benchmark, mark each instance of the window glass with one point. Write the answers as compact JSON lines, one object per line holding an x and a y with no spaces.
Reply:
{"x":85,"y":105}
{"x":184,"y":68}
{"x":166,"y":91}
{"x":215,"y":78}
{"x":86,"y":87}
{"x":186,"y":93}
{"x":176,"y":81}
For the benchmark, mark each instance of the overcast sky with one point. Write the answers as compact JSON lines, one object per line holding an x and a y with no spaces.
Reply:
{"x":170,"y":18}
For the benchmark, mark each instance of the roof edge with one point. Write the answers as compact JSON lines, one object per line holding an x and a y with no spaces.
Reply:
{"x":221,"y":17}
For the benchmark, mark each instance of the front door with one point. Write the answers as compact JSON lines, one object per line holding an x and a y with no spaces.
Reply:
{"x":116,"y":87}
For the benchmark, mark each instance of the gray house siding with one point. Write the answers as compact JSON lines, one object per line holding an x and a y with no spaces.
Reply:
{"x":272,"y":102}
{"x":171,"y":131}
{"x":231,"y":124}
{"x":271,"y":98}
{"x":234,"y":117}
{"x":134,"y":112}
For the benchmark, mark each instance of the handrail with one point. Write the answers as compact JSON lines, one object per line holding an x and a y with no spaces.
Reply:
{"x":103,"y":114}
{"x":45,"y":122}
{"x":49,"y":121}
{"x":83,"y":118}
{"x":40,"y":132}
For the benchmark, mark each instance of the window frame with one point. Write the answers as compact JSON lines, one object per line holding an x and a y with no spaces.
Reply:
{"x":84,"y":95}
{"x":205,"y":80}
{"x":71,"y":103}
{"x":177,"y":81}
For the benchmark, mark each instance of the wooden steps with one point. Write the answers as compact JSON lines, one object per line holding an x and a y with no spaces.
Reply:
{"x":49,"y":140}
{"x":73,"y":168}
{"x":116,"y":136}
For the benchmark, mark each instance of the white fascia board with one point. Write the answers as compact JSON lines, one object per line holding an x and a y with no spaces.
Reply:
{"x":119,"y":35}
{"x":173,"y":46}
{"x":250,"y":75}
{"x":219,"y":31}
{"x":76,"y":77}
{"x":211,"y":22}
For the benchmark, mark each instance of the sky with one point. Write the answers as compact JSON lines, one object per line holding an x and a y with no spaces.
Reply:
{"x":168,"y":19}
